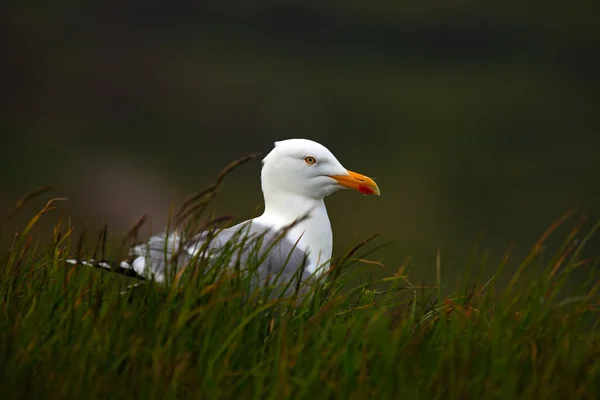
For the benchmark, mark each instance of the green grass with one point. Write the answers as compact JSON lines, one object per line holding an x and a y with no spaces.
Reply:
{"x":66,"y":332}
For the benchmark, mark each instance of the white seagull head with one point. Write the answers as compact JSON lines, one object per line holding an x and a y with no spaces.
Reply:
{"x":308,"y":169}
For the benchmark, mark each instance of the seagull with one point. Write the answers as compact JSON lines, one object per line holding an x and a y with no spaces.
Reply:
{"x":293,"y":236}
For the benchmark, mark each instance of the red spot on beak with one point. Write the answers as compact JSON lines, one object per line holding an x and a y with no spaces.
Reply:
{"x":365,"y":189}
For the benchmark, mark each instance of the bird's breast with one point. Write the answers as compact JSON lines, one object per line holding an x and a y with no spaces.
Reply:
{"x":312,"y":234}
{"x":316,"y":238}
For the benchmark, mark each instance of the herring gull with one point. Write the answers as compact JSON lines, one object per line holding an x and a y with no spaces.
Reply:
{"x":294,"y":229}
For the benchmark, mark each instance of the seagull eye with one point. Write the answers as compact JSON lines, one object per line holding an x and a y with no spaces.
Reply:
{"x":310,"y":160}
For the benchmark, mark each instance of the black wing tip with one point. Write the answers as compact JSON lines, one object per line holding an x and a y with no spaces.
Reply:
{"x":122,"y":268}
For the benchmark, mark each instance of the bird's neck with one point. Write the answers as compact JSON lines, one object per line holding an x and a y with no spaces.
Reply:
{"x":287,"y":207}
{"x":314,"y":232}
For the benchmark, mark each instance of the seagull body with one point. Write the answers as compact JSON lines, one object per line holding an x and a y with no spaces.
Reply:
{"x":292,"y":234}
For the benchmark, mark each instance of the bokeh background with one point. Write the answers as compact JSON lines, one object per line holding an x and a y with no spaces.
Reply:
{"x":473,"y":116}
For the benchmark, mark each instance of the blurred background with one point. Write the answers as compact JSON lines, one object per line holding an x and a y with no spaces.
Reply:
{"x":478,"y":119}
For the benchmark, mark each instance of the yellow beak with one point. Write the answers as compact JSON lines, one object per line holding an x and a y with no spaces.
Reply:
{"x":359,"y":182}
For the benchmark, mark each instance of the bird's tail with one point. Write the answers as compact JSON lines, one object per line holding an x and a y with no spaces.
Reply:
{"x":124,"y":267}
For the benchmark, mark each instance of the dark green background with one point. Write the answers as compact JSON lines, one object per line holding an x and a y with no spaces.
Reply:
{"x":472,"y":116}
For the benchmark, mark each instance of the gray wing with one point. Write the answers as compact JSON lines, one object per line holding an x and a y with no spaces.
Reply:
{"x":275,"y":257}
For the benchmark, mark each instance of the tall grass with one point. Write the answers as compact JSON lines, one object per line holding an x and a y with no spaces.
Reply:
{"x":68,"y":332}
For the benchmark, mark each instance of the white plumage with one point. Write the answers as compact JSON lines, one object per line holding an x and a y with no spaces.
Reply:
{"x":296,"y":176}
